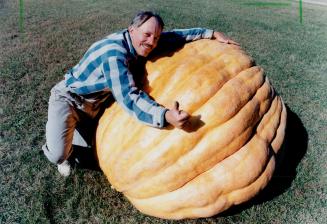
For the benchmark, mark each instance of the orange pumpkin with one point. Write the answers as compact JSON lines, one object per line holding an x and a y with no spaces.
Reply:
{"x":225,"y":155}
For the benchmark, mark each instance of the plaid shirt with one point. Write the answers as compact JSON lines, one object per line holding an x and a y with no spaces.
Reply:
{"x":104,"y":67}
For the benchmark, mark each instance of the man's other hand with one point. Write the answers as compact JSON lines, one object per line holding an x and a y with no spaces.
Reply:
{"x":223,"y":39}
{"x":176,"y":117}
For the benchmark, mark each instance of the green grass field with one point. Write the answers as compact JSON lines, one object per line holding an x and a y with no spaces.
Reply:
{"x":55,"y":36}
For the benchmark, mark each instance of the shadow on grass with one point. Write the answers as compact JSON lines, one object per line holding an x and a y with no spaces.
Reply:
{"x":84,"y":158}
{"x":288,"y":158}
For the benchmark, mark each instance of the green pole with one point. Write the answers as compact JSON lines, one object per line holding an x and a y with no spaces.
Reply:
{"x":21,"y":16}
{"x":300,"y":9}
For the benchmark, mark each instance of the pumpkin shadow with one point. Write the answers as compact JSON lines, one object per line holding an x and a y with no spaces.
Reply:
{"x":291,"y":153}
{"x":193,"y":124}
{"x":86,"y":157}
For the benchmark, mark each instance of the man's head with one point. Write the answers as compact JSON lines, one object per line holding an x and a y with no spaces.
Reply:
{"x":145,"y":31}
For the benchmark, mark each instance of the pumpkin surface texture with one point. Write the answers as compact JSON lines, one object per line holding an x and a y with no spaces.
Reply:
{"x":225,"y":154}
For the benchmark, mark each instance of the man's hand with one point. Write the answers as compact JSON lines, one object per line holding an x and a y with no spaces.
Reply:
{"x":176,"y":117}
{"x":223,"y":39}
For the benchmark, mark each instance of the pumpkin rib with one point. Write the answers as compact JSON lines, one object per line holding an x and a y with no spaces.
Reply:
{"x":115,"y":125}
{"x":221,"y":67}
{"x":193,"y":49}
{"x":126,"y":153}
{"x":197,"y":90}
{"x":223,"y":98}
{"x":105,"y":124}
{"x":128,"y":193}
{"x":225,"y":152}
{"x":166,"y":65}
{"x":232,"y":168}
{"x":280,"y":133}
{"x":167,"y":133}
{"x":131,"y":136}
{"x":221,"y":166}
{"x":144,"y":162}
{"x":174,"y":76}
{"x":128,"y":143}
{"x":149,"y":193}
{"x":225,"y":201}
{"x":192,"y":70}
{"x":267,"y":131}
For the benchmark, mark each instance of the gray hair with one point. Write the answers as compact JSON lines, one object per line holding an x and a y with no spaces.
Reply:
{"x":142,"y":17}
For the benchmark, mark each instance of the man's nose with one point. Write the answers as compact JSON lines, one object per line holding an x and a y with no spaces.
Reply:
{"x":151,"y":40}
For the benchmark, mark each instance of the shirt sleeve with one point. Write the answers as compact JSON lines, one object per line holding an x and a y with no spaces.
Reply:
{"x":174,"y":39}
{"x":187,"y":35}
{"x":136,"y":102}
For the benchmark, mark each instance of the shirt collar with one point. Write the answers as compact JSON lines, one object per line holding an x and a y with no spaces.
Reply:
{"x":129,"y":44}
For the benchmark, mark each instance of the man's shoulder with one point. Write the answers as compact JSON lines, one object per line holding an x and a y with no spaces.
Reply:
{"x":112,"y":42}
{"x":117,"y":36}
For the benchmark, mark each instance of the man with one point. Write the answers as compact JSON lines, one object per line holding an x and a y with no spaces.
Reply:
{"x":104,"y":72}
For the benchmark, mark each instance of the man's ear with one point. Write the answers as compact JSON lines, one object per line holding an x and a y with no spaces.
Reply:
{"x":130,"y":29}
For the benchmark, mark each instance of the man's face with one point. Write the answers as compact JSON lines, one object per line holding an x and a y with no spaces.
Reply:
{"x":145,"y":37}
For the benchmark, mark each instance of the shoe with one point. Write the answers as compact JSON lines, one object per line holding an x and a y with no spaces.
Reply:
{"x":64,"y":168}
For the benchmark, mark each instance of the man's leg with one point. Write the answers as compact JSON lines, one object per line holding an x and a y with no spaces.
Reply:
{"x":59,"y":131}
{"x":60,"y":128}
{"x":70,"y":122}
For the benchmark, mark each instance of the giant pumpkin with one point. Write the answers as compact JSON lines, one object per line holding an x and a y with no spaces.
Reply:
{"x":226,"y":153}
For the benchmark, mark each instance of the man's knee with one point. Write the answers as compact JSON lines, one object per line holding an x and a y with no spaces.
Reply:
{"x":54,"y":155}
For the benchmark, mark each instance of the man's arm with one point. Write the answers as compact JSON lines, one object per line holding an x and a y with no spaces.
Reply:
{"x":136,"y":102}
{"x":223,"y":38}
{"x":186,"y":35}
{"x":178,"y":37}
{"x":170,"y":40}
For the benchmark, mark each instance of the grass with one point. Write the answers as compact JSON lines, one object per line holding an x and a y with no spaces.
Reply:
{"x":57,"y":33}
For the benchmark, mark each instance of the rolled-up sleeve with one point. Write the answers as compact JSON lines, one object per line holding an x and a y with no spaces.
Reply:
{"x":186,"y":35}
{"x":193,"y":34}
{"x":136,"y":102}
{"x":174,"y":39}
